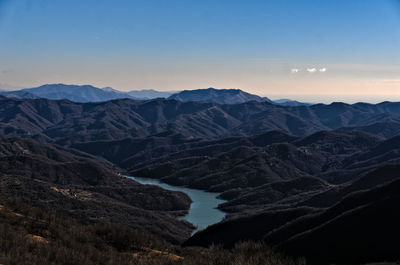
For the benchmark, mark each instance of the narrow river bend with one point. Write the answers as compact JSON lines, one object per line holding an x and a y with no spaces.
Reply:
{"x":203,"y":210}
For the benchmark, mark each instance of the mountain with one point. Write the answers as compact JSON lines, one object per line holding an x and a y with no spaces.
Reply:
{"x":243,"y":162}
{"x":250,"y":171}
{"x":143,"y":94}
{"x":229,"y":96}
{"x":221,"y":96}
{"x":67,"y":122}
{"x":110,"y":89}
{"x":19,"y":94}
{"x":118,"y":119}
{"x":291,"y":176}
{"x":275,"y":191}
{"x":289,"y":102}
{"x":385,"y":129}
{"x":85,"y":93}
{"x":353,"y":226}
{"x":88,"y":93}
{"x":149,"y":94}
{"x":87,"y":188}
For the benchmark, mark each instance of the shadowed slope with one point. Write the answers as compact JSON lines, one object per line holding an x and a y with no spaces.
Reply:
{"x":52,"y":178}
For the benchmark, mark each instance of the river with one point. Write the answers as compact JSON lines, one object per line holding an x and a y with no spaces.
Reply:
{"x":203,"y":210}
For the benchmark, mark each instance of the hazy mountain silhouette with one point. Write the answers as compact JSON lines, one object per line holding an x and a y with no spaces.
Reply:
{"x":289,"y":102}
{"x":149,"y":94}
{"x":85,"y":93}
{"x":88,"y":93}
{"x":221,"y":96}
{"x":229,"y":96}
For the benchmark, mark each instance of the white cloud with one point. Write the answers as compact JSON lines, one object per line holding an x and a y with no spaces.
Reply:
{"x":311,"y":70}
{"x":322,"y":70}
{"x":294,"y":70}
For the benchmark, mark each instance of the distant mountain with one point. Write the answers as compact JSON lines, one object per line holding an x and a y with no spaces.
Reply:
{"x":144,"y":94}
{"x":229,"y":96}
{"x":110,"y":89}
{"x":149,"y":94}
{"x":289,"y":102}
{"x":18,"y":95}
{"x":221,"y":96}
{"x":85,"y":93}
{"x":88,"y":93}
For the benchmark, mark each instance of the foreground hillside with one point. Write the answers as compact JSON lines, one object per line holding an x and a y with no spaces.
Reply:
{"x":362,"y":227}
{"x":87,"y":188}
{"x":33,"y":236}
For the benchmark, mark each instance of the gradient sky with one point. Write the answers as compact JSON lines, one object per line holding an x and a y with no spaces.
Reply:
{"x":314,"y":50}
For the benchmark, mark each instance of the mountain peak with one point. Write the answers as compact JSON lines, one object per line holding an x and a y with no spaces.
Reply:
{"x":89,"y":93}
{"x":82,"y":93}
{"x":221,"y":96}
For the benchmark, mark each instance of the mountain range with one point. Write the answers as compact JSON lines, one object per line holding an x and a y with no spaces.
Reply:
{"x":65,"y":121}
{"x":88,"y":93}
{"x":315,"y":181}
{"x":84,"y":93}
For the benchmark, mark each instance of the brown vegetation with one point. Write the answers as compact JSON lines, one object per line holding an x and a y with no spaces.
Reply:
{"x":38,"y":237}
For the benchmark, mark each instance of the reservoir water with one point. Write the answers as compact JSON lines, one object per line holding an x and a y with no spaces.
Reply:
{"x":203,"y":210}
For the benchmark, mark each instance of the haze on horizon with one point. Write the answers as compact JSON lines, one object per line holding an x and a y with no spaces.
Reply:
{"x":309,"y":50}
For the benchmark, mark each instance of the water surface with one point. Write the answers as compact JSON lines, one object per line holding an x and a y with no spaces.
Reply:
{"x":203,"y":210}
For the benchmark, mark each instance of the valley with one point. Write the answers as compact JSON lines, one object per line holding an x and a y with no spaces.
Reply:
{"x":203,"y":210}
{"x":153,"y":132}
{"x":211,"y":174}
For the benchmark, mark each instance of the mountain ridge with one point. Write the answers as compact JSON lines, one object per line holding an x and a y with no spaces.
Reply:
{"x":221,"y":96}
{"x":65,"y":122}
{"x":89,"y":93}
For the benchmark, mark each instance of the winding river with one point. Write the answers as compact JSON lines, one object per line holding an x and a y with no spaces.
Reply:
{"x":203,"y":210}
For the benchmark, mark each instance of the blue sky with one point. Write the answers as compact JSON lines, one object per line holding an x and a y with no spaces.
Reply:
{"x":307,"y":49}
